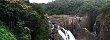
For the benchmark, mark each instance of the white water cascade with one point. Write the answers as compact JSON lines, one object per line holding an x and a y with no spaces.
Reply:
{"x":65,"y":34}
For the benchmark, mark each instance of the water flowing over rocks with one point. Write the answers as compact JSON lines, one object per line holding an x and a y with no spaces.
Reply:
{"x":78,"y":26}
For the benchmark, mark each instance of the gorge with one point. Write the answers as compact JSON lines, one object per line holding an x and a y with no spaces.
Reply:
{"x":78,"y":27}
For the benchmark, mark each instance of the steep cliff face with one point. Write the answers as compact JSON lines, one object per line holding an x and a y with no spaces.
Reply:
{"x":103,"y":27}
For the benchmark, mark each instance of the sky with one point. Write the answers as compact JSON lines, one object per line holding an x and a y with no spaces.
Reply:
{"x":40,"y":1}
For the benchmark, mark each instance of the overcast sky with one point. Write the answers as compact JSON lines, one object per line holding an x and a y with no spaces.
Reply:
{"x":40,"y":1}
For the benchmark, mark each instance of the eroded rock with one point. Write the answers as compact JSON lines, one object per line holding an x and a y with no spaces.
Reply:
{"x":79,"y":26}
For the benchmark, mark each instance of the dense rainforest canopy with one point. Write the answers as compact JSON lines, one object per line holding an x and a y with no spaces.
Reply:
{"x":76,"y":7}
{"x":23,"y":20}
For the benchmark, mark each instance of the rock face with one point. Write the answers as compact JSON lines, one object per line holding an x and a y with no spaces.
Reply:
{"x":103,"y":27}
{"x":79,"y":26}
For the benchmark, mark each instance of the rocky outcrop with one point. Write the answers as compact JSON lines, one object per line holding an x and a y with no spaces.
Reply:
{"x":79,"y":26}
{"x":103,"y":27}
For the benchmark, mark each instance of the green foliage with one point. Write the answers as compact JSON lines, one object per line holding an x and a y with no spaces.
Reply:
{"x":20,"y":23}
{"x":75,"y":7}
{"x":25,"y":35}
{"x":25,"y":20}
{"x":4,"y":33}
{"x":63,"y":7}
{"x":43,"y":30}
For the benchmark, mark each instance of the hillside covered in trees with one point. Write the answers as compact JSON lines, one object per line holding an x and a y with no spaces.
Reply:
{"x":76,"y":7}
{"x":21,"y":20}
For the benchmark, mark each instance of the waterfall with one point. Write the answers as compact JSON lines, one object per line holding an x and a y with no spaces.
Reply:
{"x":65,"y":34}
{"x":94,"y":28}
